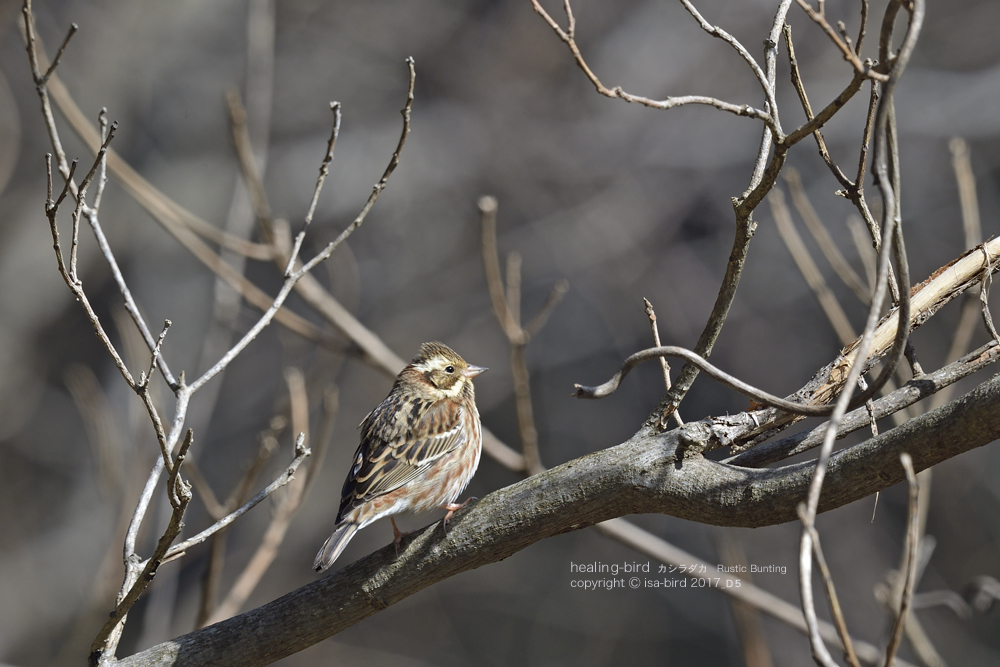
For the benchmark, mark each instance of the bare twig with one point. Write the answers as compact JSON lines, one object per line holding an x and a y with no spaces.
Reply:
{"x":100,"y":424}
{"x":178,"y":549}
{"x":491,"y":264}
{"x":910,"y":571}
{"x":762,"y":180}
{"x":862,"y":241}
{"x":267,"y":551}
{"x":248,"y":164}
{"x":892,"y":238}
{"x":569,"y":37}
{"x":239,"y":495}
{"x":803,"y":259}
{"x":850,"y":56}
{"x":961,"y":163}
{"x":931,"y":384}
{"x":507,"y":308}
{"x":831,"y":592}
{"x":859,"y":180}
{"x":62,"y":48}
{"x":377,"y":189}
{"x":756,"y":394}
{"x":69,"y":273}
{"x":804,"y":100}
{"x":984,"y":292}
{"x":819,"y":232}
{"x":962,"y":166}
{"x":664,"y":366}
{"x":102,"y":180}
{"x":324,"y":170}
{"x":141,"y":574}
{"x":180,"y":223}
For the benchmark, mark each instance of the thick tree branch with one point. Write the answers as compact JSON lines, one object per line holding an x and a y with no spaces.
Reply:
{"x":649,"y":473}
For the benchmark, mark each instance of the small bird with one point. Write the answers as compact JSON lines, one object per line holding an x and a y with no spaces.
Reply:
{"x":419,"y":448}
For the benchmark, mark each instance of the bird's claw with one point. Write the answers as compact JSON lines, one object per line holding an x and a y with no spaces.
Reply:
{"x":452,"y":508}
{"x":398,"y":535}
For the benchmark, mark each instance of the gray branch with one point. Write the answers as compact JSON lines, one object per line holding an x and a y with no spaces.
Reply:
{"x":650,"y":473}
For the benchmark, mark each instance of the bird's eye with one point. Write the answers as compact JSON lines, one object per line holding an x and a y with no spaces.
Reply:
{"x":449,"y":369}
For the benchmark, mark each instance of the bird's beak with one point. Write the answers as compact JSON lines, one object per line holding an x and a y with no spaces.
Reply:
{"x":473,"y":371}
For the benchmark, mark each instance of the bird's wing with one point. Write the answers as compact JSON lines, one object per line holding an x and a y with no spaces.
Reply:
{"x":397,"y":446}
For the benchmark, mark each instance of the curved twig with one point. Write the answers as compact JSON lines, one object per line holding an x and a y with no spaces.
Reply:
{"x":756,"y":394}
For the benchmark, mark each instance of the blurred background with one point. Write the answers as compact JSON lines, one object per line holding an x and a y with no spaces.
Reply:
{"x":623,"y":201}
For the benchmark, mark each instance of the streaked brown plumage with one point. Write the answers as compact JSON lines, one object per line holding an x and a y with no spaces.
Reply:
{"x":419,"y":448}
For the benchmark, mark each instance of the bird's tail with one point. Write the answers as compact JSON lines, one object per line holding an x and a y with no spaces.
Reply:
{"x":334,"y":545}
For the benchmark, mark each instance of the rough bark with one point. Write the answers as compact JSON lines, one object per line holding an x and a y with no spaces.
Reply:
{"x":661,"y":473}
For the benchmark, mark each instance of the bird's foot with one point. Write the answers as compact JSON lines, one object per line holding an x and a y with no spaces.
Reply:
{"x":452,"y":508}
{"x":398,"y":535}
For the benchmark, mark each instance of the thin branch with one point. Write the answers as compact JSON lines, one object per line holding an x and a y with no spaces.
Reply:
{"x":74,"y":284}
{"x":863,"y":27}
{"x":267,"y":551}
{"x":761,"y":168}
{"x":569,"y":37}
{"x":182,"y":224}
{"x":961,"y":163}
{"x":831,"y":592}
{"x":179,"y":493}
{"x":393,"y":163}
{"x":807,"y":267}
{"x":984,"y":292}
{"x":664,"y":366}
{"x":239,"y":495}
{"x":850,"y":56}
{"x":804,"y":100}
{"x":819,"y":232}
{"x":142,"y":389}
{"x":859,"y":180}
{"x":513,"y":291}
{"x":178,"y":549}
{"x":931,"y":384}
{"x":884,"y":134}
{"x":862,"y":242}
{"x":716,"y":31}
{"x":324,"y":169}
{"x":890,"y":240}
{"x":248,"y":163}
{"x":910,"y":572}
{"x":81,"y":196}
{"x":491,"y":264}
{"x":756,"y":394}
{"x":507,"y":308}
{"x":55,"y":61}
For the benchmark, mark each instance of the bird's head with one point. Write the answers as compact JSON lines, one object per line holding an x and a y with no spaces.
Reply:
{"x":443,"y":369}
